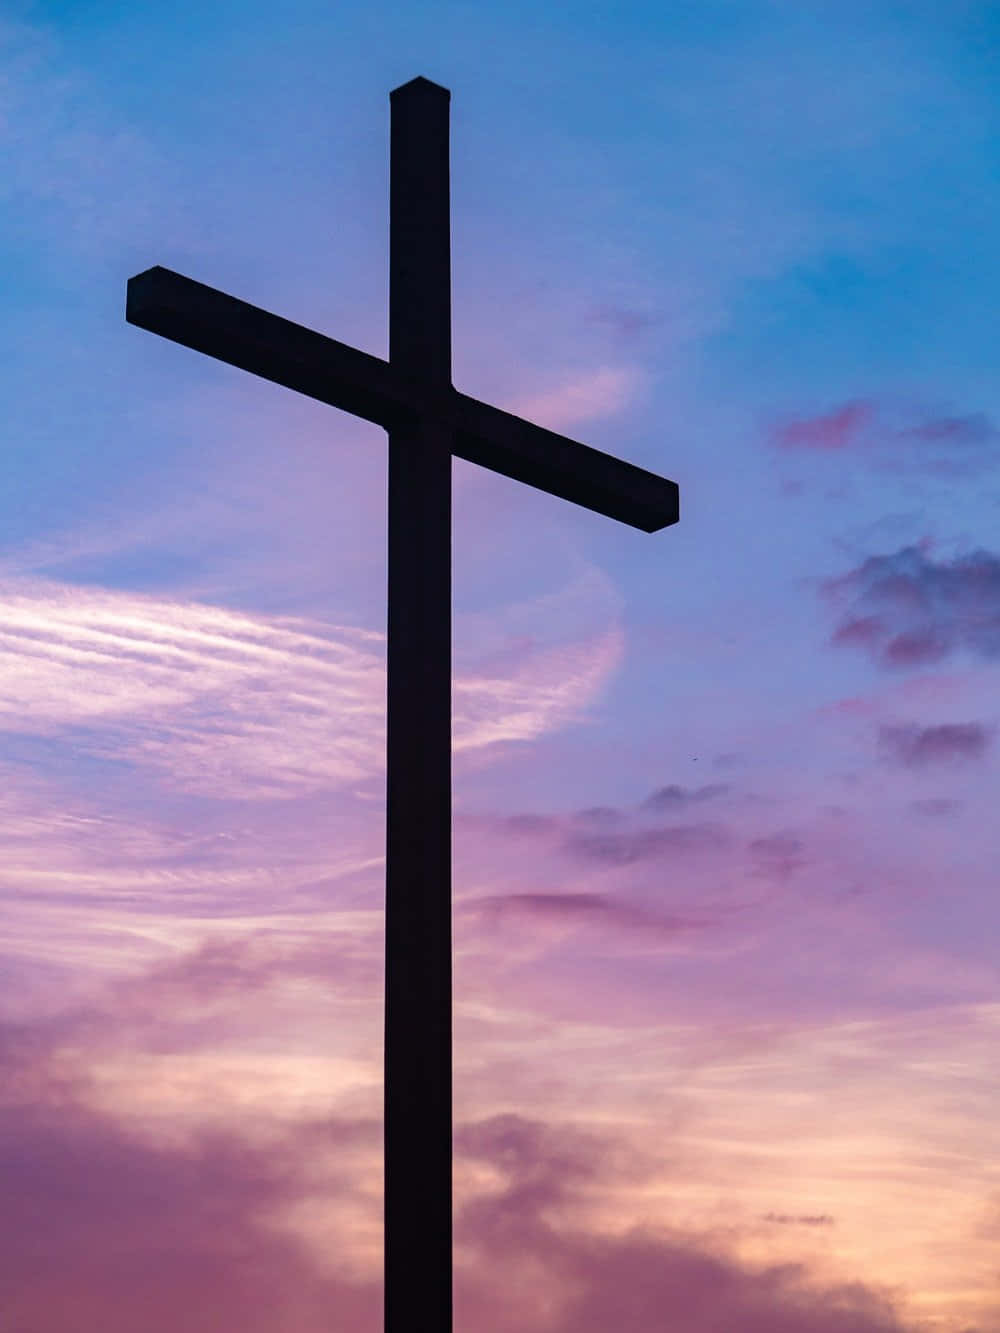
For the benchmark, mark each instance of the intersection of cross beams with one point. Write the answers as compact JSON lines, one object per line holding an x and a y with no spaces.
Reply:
{"x":428,"y":421}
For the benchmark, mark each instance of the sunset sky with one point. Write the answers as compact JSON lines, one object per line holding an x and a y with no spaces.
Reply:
{"x":727,"y":996}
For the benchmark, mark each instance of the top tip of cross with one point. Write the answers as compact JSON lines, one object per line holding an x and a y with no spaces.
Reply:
{"x":420,"y":85}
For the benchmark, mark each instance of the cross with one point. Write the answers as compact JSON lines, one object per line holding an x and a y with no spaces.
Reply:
{"x":427,"y":420}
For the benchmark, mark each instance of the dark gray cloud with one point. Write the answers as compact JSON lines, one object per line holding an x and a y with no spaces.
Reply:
{"x":586,"y":908}
{"x":909,"y":610}
{"x":670,"y":799}
{"x":530,"y":823}
{"x":915,"y":746}
{"x":600,"y":814}
{"x":936,"y":806}
{"x":802,"y":1220}
{"x":778,"y":856}
{"x":627,"y":322}
{"x":973,"y":429}
{"x":646,"y":844}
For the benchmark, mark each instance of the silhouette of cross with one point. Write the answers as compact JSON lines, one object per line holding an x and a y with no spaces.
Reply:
{"x":428,"y":421}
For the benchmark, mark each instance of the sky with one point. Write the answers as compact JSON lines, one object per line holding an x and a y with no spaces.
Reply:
{"x":726,"y":998}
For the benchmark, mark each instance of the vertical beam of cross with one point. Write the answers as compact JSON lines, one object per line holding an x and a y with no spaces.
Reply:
{"x":418,"y":1045}
{"x":412,"y":397}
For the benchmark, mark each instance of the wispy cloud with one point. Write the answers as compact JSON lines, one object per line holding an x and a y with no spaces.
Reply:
{"x":225,"y":703}
{"x":587,"y":397}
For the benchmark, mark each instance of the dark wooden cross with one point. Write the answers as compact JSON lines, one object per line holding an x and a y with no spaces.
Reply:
{"x":428,"y":421}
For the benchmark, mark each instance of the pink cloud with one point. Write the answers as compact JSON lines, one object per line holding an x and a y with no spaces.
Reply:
{"x":587,"y":397}
{"x":841,"y":428}
{"x":834,"y":430}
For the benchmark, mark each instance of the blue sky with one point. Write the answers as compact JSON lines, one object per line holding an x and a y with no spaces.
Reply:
{"x":725,"y":922}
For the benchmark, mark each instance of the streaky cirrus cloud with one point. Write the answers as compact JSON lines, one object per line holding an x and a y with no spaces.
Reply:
{"x":232,"y":703}
{"x":907,"y":609}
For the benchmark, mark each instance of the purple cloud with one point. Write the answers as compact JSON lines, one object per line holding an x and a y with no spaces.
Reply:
{"x":600,"y":814}
{"x":530,"y":823}
{"x":104,"y":1227}
{"x":907,"y":609}
{"x":778,"y":855}
{"x":974,"y":429}
{"x":916,"y":746}
{"x":644,"y":1279}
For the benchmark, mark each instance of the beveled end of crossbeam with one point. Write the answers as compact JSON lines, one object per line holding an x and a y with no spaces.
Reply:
{"x":419,"y":87}
{"x":209,"y":321}
{"x":550,"y":462}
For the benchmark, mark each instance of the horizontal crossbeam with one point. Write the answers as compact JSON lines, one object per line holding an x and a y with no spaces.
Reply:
{"x":243,"y":335}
